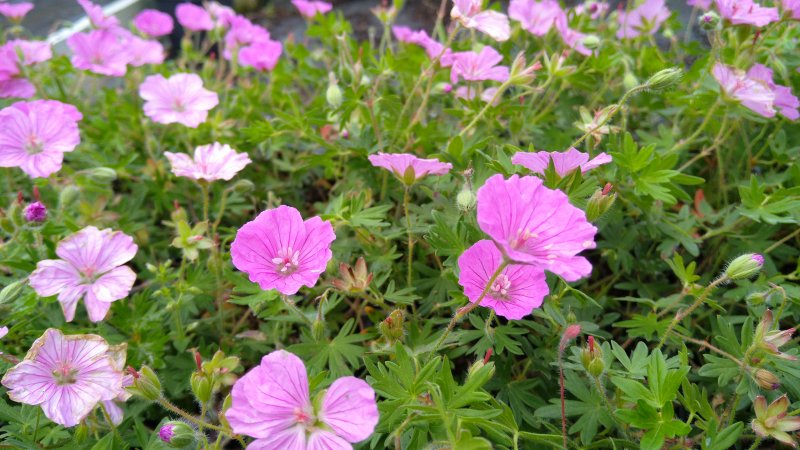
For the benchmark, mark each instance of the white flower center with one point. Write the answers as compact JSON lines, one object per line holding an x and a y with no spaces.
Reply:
{"x":522,"y":238}
{"x":500,"y":287}
{"x":286,"y":261}
{"x":65,"y":374}
{"x":34,"y":146}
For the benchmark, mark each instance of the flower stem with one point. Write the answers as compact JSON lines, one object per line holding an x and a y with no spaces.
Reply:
{"x":200,"y":423}
{"x":489,"y":104}
{"x":290,"y":304}
{"x":756,"y":443}
{"x":206,"y":200}
{"x":683,"y":314}
{"x":406,"y":201}
{"x":610,"y":115}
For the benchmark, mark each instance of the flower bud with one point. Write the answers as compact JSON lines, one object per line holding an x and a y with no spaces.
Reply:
{"x":177,"y":434}
{"x":318,"y":330}
{"x":146,"y":384}
{"x":102,"y":174}
{"x":664,"y":79}
{"x":629,"y":81}
{"x":334,"y":94}
{"x":466,"y":199}
{"x":12,"y":291}
{"x":766,"y":379}
{"x":243,"y":186}
{"x":201,"y":387}
{"x":68,"y":196}
{"x":599,"y":203}
{"x":520,"y":73}
{"x":393,"y":327}
{"x":592,"y":358}
{"x":35,"y":212}
{"x":744,"y":266}
{"x":709,"y":21}
{"x":591,"y":42}
{"x":442,"y":88}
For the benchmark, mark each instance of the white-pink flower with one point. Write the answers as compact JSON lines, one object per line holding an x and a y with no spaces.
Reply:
{"x":538,"y":17}
{"x":91,"y":267}
{"x":100,"y":51}
{"x":644,"y":19}
{"x":211,"y":162}
{"x":471,"y":15}
{"x":786,"y":102}
{"x":753,"y":94}
{"x":180,"y":98}
{"x":144,"y":51}
{"x":15,"y":11}
{"x":487,"y":95}
{"x":3,"y":332}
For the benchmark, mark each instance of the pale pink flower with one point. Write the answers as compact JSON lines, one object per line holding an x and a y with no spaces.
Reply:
{"x":97,"y":16}
{"x":406,"y":164}
{"x":518,"y":290}
{"x":118,"y":355}
{"x":154,"y":23}
{"x":573,"y":39}
{"x":785,"y":102}
{"x":278,"y":250}
{"x":702,"y":4}
{"x":12,"y":83}
{"x":220,"y":14}
{"x":481,"y":66}
{"x":563,"y":162}
{"x":594,"y":9}
{"x":35,"y":135}
{"x":15,"y":11}
{"x":180,"y":98}
{"x":17,"y":88}
{"x":487,"y":95}
{"x":538,"y":17}
{"x":433,"y":48}
{"x":243,"y":32}
{"x":645,"y":19}
{"x":66,"y":375}
{"x":272,"y":403}
{"x":91,"y":267}
{"x":746,"y":12}
{"x":309,"y":9}
{"x":535,"y":225}
{"x":144,"y":51}
{"x":471,"y":15}
{"x":193,"y":17}
{"x":33,"y":52}
{"x":792,"y":7}
{"x":261,"y":55}
{"x":753,"y":94}
{"x":211,"y":162}
{"x":3,"y":332}
{"x":100,"y":51}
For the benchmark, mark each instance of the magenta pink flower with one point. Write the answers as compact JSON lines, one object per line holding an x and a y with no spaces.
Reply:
{"x":193,"y":17}
{"x":785,"y":102}
{"x":792,"y":7}
{"x":242,"y":33}
{"x":432,"y":47}
{"x":66,"y":375}
{"x":211,"y":162}
{"x":144,"y":51}
{"x":220,"y":14}
{"x":278,"y":250}
{"x":100,"y":51}
{"x":536,"y":225}
{"x":518,"y":290}
{"x":35,"y":212}
{"x":309,"y":9}
{"x":272,"y":403}
{"x":573,"y":39}
{"x":17,"y":88}
{"x":91,"y":266}
{"x":97,"y":16}
{"x":407,"y":167}
{"x":261,"y":55}
{"x":753,"y":94}
{"x":486,"y":96}
{"x":538,"y":17}
{"x":746,"y":12}
{"x":12,"y":83}
{"x":35,"y":135}
{"x":15,"y":11}
{"x":481,"y":66}
{"x":645,"y":19}
{"x":180,"y":98}
{"x":471,"y":15}
{"x":33,"y":52}
{"x":702,"y":4}
{"x":564,"y":162}
{"x":154,"y":23}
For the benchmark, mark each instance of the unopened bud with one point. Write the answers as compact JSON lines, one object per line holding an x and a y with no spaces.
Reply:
{"x":599,"y":203}
{"x":766,"y":379}
{"x":147,"y":384}
{"x":520,"y":73}
{"x":201,"y":387}
{"x":318,"y":330}
{"x":591,"y":42}
{"x":592,"y":358}
{"x":665,"y":79}
{"x":709,"y":21}
{"x":442,"y":88}
{"x":68,"y":196}
{"x":334,"y":94}
{"x":35,"y":212}
{"x":744,"y":266}
{"x":12,"y":291}
{"x":629,"y":81}
{"x":393,"y":327}
{"x":243,"y":186}
{"x":466,"y":199}
{"x":177,"y":434}
{"x":102,"y":174}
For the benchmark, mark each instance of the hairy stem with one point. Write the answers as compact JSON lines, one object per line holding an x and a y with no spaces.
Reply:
{"x":680,"y":315}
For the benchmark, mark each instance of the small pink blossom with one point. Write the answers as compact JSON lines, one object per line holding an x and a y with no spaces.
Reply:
{"x":309,"y":9}
{"x":193,"y":17}
{"x":211,"y":162}
{"x":481,"y":66}
{"x":433,"y":48}
{"x":97,"y":16}
{"x":154,"y":23}
{"x":702,"y":4}
{"x":272,"y":403}
{"x":405,"y":163}
{"x":15,"y":11}
{"x":278,"y":250}
{"x":573,"y":39}
{"x":645,"y":19}
{"x":33,"y":52}
{"x":144,"y":51}
{"x":243,"y":32}
{"x":792,"y":7}
{"x":91,"y":267}
{"x":17,"y":88}
{"x":262,"y":56}
{"x":180,"y":98}
{"x":35,"y":135}
{"x":537,"y":17}
{"x":35,"y":212}
{"x":12,"y":83}
{"x":535,"y":225}
{"x":563,"y":162}
{"x":785,"y":102}
{"x":118,"y":355}
{"x":66,"y":375}
{"x":486,"y":96}
{"x":3,"y":332}
{"x":594,"y":9}
{"x":100,"y":51}
{"x":746,"y":12}
{"x":517,"y":291}
{"x":471,"y":15}
{"x":753,"y":94}
{"x":220,"y":14}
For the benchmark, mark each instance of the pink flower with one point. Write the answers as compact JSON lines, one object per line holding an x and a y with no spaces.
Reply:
{"x":702,"y":4}
{"x":221,"y":15}
{"x":535,"y":225}
{"x":242,"y":33}
{"x":278,"y":250}
{"x":407,"y":167}
{"x":97,"y":16}
{"x":35,"y":212}
{"x":3,"y":332}
{"x":309,"y":9}
{"x":786,"y":103}
{"x":432,"y":47}
{"x":180,"y":98}
{"x":35,"y":135}
{"x":261,"y":55}
{"x":90,"y":267}
{"x":478,"y":66}
{"x":154,"y":23}
{"x":792,"y":7}
{"x":470,"y":14}
{"x":486,"y":96}
{"x":594,"y":9}
{"x":15,"y":11}
{"x":33,"y":52}
{"x":144,"y":51}
{"x":12,"y":83}
{"x":100,"y":51}
{"x":193,"y":17}
{"x":746,"y":12}
{"x":645,"y":19}
{"x":272,"y":403}
{"x":211,"y":162}
{"x":517,"y":291}
{"x":573,"y":39}
{"x":753,"y":94}
{"x":564,"y":162}
{"x":538,"y":17}
{"x":17,"y":87}
{"x":118,"y":354}
{"x":66,"y":375}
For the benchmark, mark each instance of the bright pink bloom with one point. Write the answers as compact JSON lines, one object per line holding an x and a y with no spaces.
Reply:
{"x":220,"y":14}
{"x":536,"y":225}
{"x":538,"y":17}
{"x":261,"y":55}
{"x":753,"y":94}
{"x":35,"y":212}
{"x":478,"y":66}
{"x":471,"y":15}
{"x":278,"y":250}
{"x":785,"y":102}
{"x":211,"y":162}
{"x":514,"y":293}
{"x":154,"y":23}
{"x":243,"y":32}
{"x":309,"y":9}
{"x":486,"y":96}
{"x":180,"y":98}
{"x":33,"y":52}
{"x":272,"y":403}
{"x":594,"y":9}
{"x":193,"y":17}
{"x":15,"y":11}
{"x":793,"y":8}
{"x":432,"y":47}
{"x":97,"y":16}
{"x":100,"y":51}
{"x":645,"y":19}
{"x":3,"y":332}
{"x":702,"y":4}
{"x":17,"y":88}
{"x":746,"y":12}
{"x":91,"y":266}
{"x":573,"y":39}
{"x":35,"y":135}
{"x":144,"y":51}
{"x":564,"y":162}
{"x":402,"y":163}
{"x":66,"y":375}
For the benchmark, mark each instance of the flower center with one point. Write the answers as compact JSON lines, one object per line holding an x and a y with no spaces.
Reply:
{"x":304,"y":418}
{"x":178,"y":105}
{"x":65,"y":374}
{"x":34,"y":145}
{"x":522,"y":238}
{"x":89,"y":275}
{"x":286,"y":261}
{"x":500,"y":287}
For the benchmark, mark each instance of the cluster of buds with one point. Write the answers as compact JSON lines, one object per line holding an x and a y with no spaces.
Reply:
{"x":771,"y":421}
{"x":592,"y":358}
{"x":353,"y":280}
{"x":522,"y":74}
{"x":210,"y":375}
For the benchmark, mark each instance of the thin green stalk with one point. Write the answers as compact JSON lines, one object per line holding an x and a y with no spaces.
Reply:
{"x":693,"y":136}
{"x":406,"y":201}
{"x":601,"y":390}
{"x":164,"y":403}
{"x":685,"y":313}
{"x":36,"y":427}
{"x":220,"y":213}
{"x":610,"y":115}
{"x":206,"y":200}
{"x":756,"y":443}
{"x":489,"y":104}
{"x":290,"y":304}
